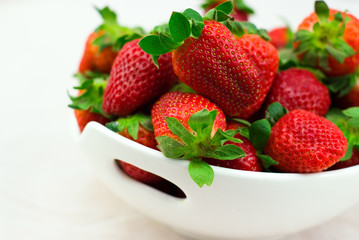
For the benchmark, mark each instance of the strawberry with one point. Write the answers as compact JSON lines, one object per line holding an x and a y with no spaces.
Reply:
{"x":138,"y":128}
{"x":248,"y":163}
{"x":240,"y":13}
{"x":329,"y":39}
{"x":299,"y":89}
{"x":207,"y":57}
{"x":303,"y":142}
{"x":280,"y":37}
{"x":95,"y":60}
{"x":103,"y":44}
{"x":88,"y":104}
{"x":189,"y":126}
{"x":354,"y":160}
{"x":135,"y":80}
{"x":265,"y":58}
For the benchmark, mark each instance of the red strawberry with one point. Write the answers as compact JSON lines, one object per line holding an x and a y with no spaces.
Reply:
{"x":248,"y":163}
{"x":354,"y":160}
{"x":351,"y":99}
{"x":299,"y":89}
{"x":135,"y":80}
{"x":215,"y":66}
{"x":189,"y":126}
{"x":280,"y":37}
{"x":95,"y":60}
{"x":182,"y":106}
{"x":240,"y":13}
{"x":332,"y":45}
{"x":265,"y":58}
{"x":139,"y":129}
{"x":303,"y":142}
{"x":103,"y":45}
{"x":88,"y":104}
{"x":83,"y":117}
{"x":208,"y":58}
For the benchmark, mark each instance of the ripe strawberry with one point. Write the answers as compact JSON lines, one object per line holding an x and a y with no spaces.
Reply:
{"x":354,"y":160}
{"x":299,"y":89}
{"x":280,"y":37}
{"x":139,"y":129}
{"x":189,"y":126}
{"x":326,"y":40}
{"x":265,"y":58}
{"x":88,"y":104}
{"x":248,"y":163}
{"x":104,"y":43}
{"x":303,"y":142}
{"x":240,"y":13}
{"x":210,"y":61}
{"x":95,"y":60}
{"x":135,"y":80}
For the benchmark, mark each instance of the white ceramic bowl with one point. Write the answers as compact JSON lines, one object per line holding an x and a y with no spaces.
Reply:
{"x":239,"y":204}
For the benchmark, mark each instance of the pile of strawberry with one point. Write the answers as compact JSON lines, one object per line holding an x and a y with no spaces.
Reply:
{"x":216,"y":90}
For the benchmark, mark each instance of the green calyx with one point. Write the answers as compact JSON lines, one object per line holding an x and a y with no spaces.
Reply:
{"x":181,"y":26}
{"x":93,"y":86}
{"x":115,"y":35}
{"x":131,"y":124}
{"x":341,"y":85}
{"x":326,"y":39}
{"x":199,"y":143}
{"x":239,"y":5}
{"x":348,"y":122}
{"x":182,"y":87}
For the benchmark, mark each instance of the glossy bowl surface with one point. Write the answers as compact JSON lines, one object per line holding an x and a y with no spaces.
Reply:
{"x":238,"y":205}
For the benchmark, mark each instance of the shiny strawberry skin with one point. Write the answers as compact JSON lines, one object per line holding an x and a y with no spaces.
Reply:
{"x":215,"y":66}
{"x":181,"y":106}
{"x":84,"y":117}
{"x":279,"y":37}
{"x":265,"y":58}
{"x":302,"y":142}
{"x":146,"y":138}
{"x":354,"y":160}
{"x":135,"y":80}
{"x":93,"y":60}
{"x":351,"y":37}
{"x":248,"y":163}
{"x":299,"y":89}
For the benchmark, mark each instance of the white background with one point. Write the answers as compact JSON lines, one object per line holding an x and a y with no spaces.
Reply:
{"x":47,"y":190}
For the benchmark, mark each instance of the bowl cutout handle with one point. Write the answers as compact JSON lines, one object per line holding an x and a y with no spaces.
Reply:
{"x":104,"y":146}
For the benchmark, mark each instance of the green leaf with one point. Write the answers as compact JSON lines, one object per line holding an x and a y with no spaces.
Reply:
{"x":202,"y":122}
{"x":235,"y":27}
{"x":337,"y":54}
{"x":210,"y":15}
{"x":226,"y":152}
{"x":155,"y":60}
{"x":179,"y":26}
{"x":192,"y":14}
{"x":259,"y":133}
{"x":168,"y":42}
{"x":229,"y":135}
{"x":322,"y":11}
{"x":170,"y":147}
{"x":152,"y":45}
{"x":242,"y":6}
{"x":241,"y":121}
{"x":354,"y":123}
{"x":274,"y":112}
{"x":113,"y":126}
{"x":302,"y":35}
{"x":348,"y":154}
{"x":267,"y":161}
{"x":201,"y":173}
{"x":197,"y":28}
{"x":178,"y":129}
{"x":182,"y":87}
{"x":250,"y":27}
{"x":244,"y":132}
{"x":352,"y":112}
{"x":226,"y":7}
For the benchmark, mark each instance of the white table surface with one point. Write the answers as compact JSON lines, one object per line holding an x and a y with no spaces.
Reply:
{"x":47,"y":190}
